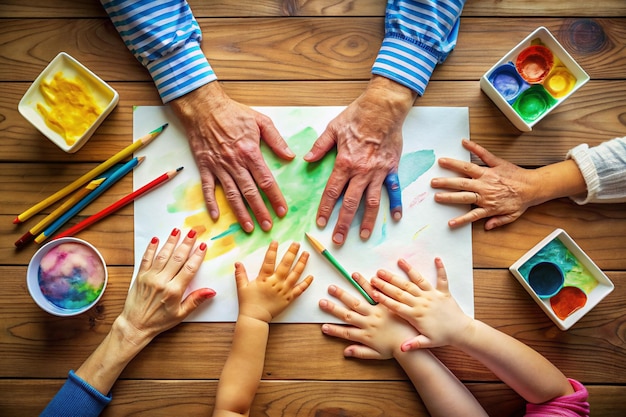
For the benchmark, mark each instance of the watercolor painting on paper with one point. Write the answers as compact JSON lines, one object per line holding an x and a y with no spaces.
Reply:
{"x":422,"y":234}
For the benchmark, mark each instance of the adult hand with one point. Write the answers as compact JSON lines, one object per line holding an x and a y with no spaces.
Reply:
{"x":378,"y":332}
{"x":368,"y":136}
{"x":155,"y":301}
{"x":225,"y":139}
{"x":502,"y":190}
{"x":433,"y":312}
{"x":276,"y":286}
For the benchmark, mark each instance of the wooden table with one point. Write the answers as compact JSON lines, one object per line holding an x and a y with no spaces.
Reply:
{"x":298,"y":53}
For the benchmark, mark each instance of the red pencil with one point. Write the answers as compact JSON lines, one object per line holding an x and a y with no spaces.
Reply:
{"x":119,"y":204}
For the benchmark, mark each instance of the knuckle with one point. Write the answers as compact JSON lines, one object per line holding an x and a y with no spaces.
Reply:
{"x":372,"y":203}
{"x":333,"y":193}
{"x":350,"y":203}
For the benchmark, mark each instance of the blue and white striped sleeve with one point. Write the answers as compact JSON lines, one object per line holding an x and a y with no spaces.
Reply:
{"x":419,"y":34}
{"x":165,"y":37}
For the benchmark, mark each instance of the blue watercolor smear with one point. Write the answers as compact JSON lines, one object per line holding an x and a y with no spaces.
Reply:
{"x":413,"y":165}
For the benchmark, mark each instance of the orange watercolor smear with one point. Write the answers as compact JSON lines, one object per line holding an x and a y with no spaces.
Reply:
{"x":567,"y":301}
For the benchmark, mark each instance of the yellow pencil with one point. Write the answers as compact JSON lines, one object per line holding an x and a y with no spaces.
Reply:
{"x":39,"y":227}
{"x":139,"y":143}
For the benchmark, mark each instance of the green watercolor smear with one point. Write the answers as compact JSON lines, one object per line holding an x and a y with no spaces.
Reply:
{"x":576,"y":274}
{"x":301,"y":183}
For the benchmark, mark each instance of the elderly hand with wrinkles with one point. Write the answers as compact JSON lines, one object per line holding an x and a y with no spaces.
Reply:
{"x":502,"y":191}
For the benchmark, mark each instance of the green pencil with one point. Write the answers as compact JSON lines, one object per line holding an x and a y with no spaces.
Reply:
{"x":324,"y":252}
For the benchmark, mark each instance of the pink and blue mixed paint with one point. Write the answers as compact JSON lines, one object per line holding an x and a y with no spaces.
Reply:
{"x":71,"y":276}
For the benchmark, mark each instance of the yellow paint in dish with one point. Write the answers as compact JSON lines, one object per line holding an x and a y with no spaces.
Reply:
{"x":560,"y":82}
{"x":71,"y":108}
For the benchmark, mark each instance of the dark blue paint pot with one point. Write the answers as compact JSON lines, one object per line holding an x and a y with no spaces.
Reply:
{"x":546,"y":279}
{"x":508,"y":82}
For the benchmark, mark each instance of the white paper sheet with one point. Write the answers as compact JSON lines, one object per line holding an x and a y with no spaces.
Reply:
{"x":422,"y":234}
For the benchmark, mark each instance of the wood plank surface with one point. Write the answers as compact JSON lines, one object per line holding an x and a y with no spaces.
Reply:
{"x":309,"y":53}
{"x":324,"y":48}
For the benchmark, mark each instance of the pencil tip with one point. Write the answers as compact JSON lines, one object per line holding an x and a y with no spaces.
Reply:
{"x":23,"y":240}
{"x":316,"y":244}
{"x":179,"y":169}
{"x":17,"y":220}
{"x":159,"y":129}
{"x":140,"y":159}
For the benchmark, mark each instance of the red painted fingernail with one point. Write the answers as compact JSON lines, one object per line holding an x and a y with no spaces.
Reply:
{"x":203,"y":246}
{"x":154,"y":240}
{"x":175,"y":232}
{"x":191,"y":234}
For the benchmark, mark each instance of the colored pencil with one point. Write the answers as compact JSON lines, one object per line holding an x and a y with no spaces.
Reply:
{"x":121,"y":155}
{"x":116,"y":176}
{"x":324,"y":252}
{"x":119,"y":204}
{"x":39,"y":227}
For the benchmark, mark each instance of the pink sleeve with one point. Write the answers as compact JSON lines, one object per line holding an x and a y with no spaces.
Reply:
{"x":573,"y":405}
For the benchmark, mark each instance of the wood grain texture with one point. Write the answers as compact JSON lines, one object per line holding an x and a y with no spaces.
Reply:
{"x":309,"y":53}
{"x":284,"y":8}
{"x":592,"y":115}
{"x":324,"y":48}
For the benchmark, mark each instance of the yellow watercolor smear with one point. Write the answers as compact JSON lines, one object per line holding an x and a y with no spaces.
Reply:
{"x":71,"y":108}
{"x":190,"y":198}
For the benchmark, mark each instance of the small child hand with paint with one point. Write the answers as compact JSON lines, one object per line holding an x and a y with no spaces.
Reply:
{"x":260,"y":301}
{"x":434,"y":313}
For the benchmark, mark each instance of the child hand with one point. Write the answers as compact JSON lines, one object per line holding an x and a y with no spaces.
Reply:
{"x":432,"y":311}
{"x":378,"y":332}
{"x":155,"y":301}
{"x":275,"y":287}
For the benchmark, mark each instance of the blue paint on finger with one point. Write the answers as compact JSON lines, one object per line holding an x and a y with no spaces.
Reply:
{"x":392,"y":182}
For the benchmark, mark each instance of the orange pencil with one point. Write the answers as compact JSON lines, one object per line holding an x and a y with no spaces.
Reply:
{"x":119,"y":204}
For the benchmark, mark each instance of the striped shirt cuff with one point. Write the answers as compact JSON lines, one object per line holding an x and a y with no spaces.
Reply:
{"x":181,"y":72}
{"x":405,"y":62}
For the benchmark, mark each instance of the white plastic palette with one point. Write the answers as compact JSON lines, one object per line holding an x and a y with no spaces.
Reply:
{"x":543,"y":36}
{"x":579,"y":270}
{"x":105,"y":96}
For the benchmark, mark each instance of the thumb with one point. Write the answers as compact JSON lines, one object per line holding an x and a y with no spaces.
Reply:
{"x":241,"y":277}
{"x":418,"y":342}
{"x":273,"y":139}
{"x":195,"y":298}
{"x":497,"y":221}
{"x":361,"y":352}
{"x":322,"y":145}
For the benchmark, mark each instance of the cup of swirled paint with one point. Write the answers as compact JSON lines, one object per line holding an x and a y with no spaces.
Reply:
{"x":66,"y":276}
{"x":546,"y":279}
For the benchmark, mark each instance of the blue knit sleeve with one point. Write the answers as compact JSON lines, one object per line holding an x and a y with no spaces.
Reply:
{"x":76,"y":398}
{"x":419,"y":34}
{"x":165,"y":37}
